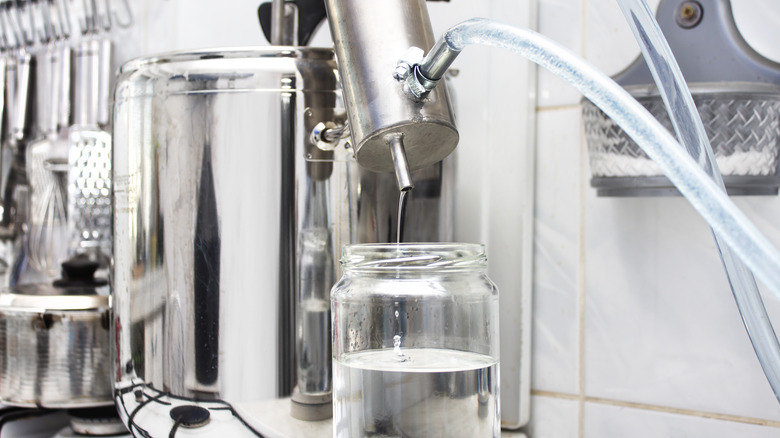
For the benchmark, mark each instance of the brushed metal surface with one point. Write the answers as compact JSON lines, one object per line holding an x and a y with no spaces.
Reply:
{"x":54,"y":349}
{"x":369,"y":38}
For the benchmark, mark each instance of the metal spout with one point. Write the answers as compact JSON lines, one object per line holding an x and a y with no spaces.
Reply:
{"x":401,"y":165}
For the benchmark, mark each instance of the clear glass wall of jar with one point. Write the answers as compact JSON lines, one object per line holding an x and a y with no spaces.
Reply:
{"x":415,"y":342}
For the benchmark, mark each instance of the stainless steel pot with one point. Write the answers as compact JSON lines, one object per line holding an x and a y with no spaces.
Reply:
{"x":226,"y":214}
{"x":54,"y":348}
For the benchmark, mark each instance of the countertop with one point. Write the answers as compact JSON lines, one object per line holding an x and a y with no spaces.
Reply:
{"x":272,"y":419}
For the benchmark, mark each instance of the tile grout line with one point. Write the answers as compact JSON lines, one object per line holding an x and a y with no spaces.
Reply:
{"x":658,"y":408}
{"x":581,"y":296}
{"x":582,"y":239}
{"x":541,"y":109}
{"x":554,"y":394}
{"x":688,"y":412}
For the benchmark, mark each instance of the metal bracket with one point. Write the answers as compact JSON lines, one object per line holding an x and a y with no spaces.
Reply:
{"x":707,"y":45}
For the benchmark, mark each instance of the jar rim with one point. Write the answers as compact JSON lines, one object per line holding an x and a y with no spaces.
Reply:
{"x":413,"y":256}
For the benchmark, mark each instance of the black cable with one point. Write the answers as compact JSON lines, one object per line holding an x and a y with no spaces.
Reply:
{"x":157,"y":399}
{"x":130,"y":423}
{"x":173,"y":429}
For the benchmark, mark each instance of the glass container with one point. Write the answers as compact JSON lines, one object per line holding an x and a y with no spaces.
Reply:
{"x":415,"y":342}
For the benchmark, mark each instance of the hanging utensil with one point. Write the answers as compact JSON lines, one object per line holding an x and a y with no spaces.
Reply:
{"x":15,"y":196}
{"x":89,"y":174}
{"x":5,"y":55}
{"x":47,"y":166}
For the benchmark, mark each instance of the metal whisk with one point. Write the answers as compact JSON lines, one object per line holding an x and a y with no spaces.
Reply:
{"x":48,"y":233}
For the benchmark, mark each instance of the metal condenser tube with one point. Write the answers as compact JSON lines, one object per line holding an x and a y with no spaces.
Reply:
{"x":369,"y":38}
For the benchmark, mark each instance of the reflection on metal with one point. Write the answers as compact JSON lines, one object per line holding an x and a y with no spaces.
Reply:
{"x":54,"y":348}
{"x":210,"y":147}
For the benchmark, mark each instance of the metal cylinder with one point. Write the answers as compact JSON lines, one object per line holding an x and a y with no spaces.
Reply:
{"x":86,"y":60}
{"x":54,"y":348}
{"x":213,"y":168}
{"x":369,"y":38}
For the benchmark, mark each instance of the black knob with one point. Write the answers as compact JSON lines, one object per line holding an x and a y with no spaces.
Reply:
{"x":78,"y":275}
{"x":190,"y":416}
{"x":79,"y":267}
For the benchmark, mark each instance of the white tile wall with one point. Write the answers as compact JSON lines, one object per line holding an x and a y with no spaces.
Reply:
{"x":560,"y":20}
{"x":656,"y":337}
{"x":557,"y":241}
{"x":553,"y":417}
{"x":619,"y":421}
{"x":660,"y":326}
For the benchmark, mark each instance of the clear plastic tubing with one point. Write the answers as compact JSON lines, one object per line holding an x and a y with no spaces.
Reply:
{"x":733,"y":228}
{"x":690,"y":130}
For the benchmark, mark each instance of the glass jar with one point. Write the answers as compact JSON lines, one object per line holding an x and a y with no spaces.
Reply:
{"x":415,"y":342}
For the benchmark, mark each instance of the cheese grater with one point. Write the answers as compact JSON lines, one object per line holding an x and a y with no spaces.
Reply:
{"x":89,"y":155}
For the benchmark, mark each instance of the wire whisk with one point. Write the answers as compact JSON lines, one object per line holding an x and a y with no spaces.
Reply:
{"x":48,"y":233}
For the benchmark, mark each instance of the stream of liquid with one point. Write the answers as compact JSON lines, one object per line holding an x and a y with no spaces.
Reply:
{"x":401,"y":215}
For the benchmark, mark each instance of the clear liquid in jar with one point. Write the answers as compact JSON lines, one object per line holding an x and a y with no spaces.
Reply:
{"x":433,"y":393}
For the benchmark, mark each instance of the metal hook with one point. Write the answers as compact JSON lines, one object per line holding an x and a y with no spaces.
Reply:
{"x":84,"y":23}
{"x":6,"y":44}
{"x":20,"y":7}
{"x":129,"y":13}
{"x":106,"y":20}
{"x":28,"y":5}
{"x":25,"y":6}
{"x":89,"y":23}
{"x":16,"y":26}
{"x":47,"y":33}
{"x":63,"y":15}
{"x":52,"y":18}
{"x":5,"y":15}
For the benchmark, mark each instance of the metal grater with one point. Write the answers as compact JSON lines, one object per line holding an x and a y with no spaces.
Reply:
{"x":89,"y":189}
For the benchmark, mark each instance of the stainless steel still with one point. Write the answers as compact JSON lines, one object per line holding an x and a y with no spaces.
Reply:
{"x":225,"y":215}
{"x":369,"y":38}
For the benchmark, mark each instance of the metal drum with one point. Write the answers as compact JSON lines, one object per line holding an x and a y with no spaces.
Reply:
{"x":227,"y":214}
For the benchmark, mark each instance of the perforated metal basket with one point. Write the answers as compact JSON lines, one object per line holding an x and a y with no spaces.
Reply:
{"x":742,"y":121}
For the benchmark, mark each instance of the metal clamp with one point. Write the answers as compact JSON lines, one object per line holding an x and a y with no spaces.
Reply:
{"x":422,"y":73}
{"x":408,"y":71}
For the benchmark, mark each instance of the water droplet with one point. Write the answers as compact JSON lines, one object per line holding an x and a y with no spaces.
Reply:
{"x":399,"y":355}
